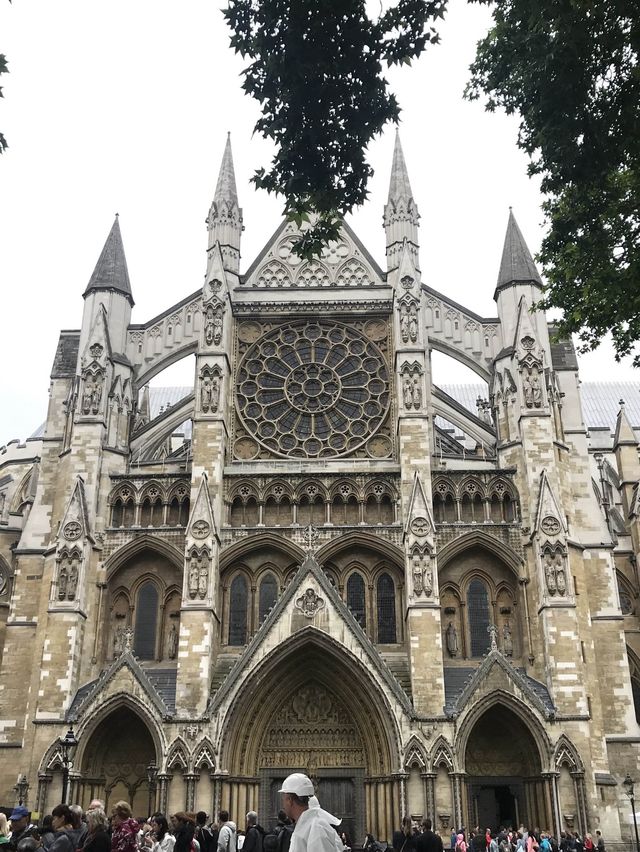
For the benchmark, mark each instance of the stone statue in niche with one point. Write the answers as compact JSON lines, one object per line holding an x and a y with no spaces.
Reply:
{"x":217,"y":325}
{"x":63,"y":582}
{"x":507,"y":640}
{"x":72,"y":586}
{"x":428,"y":581}
{"x":413,"y":324}
{"x":407,"y":392}
{"x":203,"y":579}
{"x":205,"y":393}
{"x":404,"y":325}
{"x":208,"y":326}
{"x":92,"y":394}
{"x":194,"y":577}
{"x":418,"y":578}
{"x":550,"y":573}
{"x":532,"y":389}
{"x":172,"y":643}
{"x":561,"y":577}
{"x":215,"y":393}
{"x":451,"y":637}
{"x":416,"y":394}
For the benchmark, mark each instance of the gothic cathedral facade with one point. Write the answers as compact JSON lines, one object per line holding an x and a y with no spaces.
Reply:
{"x":322,"y":576}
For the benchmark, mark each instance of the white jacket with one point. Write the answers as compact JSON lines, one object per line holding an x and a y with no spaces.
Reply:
{"x":227,"y":837}
{"x":314,"y":833}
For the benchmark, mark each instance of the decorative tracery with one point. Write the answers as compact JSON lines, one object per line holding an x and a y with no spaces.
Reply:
{"x":313,"y":389}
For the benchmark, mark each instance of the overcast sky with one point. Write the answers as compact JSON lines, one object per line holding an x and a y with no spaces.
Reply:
{"x":124,"y":105}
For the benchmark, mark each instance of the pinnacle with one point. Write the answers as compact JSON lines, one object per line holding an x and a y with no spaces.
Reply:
{"x":624,"y":431}
{"x":399,"y":185}
{"x":226,"y":186}
{"x":111,"y":271}
{"x":517,"y":263}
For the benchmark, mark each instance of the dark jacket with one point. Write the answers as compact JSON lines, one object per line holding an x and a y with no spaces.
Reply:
{"x":403,"y":842}
{"x":62,"y":842}
{"x":428,"y":841}
{"x":184,"y":836}
{"x":253,"y":839}
{"x":99,"y":841}
{"x":28,"y":831}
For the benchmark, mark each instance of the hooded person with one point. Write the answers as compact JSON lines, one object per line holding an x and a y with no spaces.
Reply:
{"x":314,"y":827}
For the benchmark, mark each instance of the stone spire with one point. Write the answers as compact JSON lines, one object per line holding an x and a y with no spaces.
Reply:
{"x":517,"y":265}
{"x":224,"y":222}
{"x":111,"y":271}
{"x":624,"y":431}
{"x":400,"y":212}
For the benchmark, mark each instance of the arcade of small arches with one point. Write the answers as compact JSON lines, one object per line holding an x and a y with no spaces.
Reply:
{"x":469,"y":499}
{"x":152,"y":504}
{"x":312,"y":502}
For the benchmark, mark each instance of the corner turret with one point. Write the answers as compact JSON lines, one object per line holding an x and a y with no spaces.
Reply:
{"x":401,"y":215}
{"x":224,"y":222}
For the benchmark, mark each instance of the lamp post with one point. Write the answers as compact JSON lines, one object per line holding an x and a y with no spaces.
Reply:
{"x":630,"y":792}
{"x":22,"y":785}
{"x":152,"y":774}
{"x":68,"y":744}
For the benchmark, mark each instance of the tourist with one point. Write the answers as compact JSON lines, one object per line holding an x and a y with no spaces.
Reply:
{"x":404,"y":840}
{"x":97,"y":839}
{"x":461,"y":845}
{"x":62,"y":822}
{"x":599,"y":841}
{"x":30,"y":844}
{"x":5,"y":832}
{"x":46,"y":831}
{"x":183,"y":831}
{"x":227,"y":832}
{"x":314,"y":827}
{"x":588,"y":843}
{"x":21,"y":826}
{"x":79,"y":831}
{"x":204,"y":835}
{"x":428,"y":841}
{"x":346,"y":841}
{"x":160,"y":839}
{"x":253,"y":841}
{"x":125,"y":829}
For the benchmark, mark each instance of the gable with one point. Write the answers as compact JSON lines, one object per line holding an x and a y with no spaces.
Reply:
{"x":343,"y":263}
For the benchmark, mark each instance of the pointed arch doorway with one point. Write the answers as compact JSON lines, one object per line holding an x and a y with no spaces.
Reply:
{"x":311,"y":709}
{"x":505,"y":783}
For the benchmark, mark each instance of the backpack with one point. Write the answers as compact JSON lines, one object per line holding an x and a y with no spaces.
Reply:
{"x":204,"y":836}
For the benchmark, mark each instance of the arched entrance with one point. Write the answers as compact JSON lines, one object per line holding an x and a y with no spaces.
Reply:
{"x":505,"y":785}
{"x":312,"y":709}
{"x":114,"y":762}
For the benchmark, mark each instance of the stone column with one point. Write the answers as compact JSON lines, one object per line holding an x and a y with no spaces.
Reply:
{"x":190,"y":780}
{"x":457,"y":786}
{"x":44,"y":779}
{"x":581,"y":802}
{"x":428,"y":779}
{"x":163,"y":791}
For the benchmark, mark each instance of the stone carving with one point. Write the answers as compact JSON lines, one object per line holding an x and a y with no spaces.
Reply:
{"x":72,"y":585}
{"x":422,"y":573}
{"x":198,"y":574}
{"x":194,"y":576}
{"x":203,"y":579}
{"x":200,"y":529}
{"x":451,"y":638}
{"x":555,"y":573}
{"x":411,"y":386}
{"x":172,"y":643}
{"x":409,"y":323}
{"x":550,"y":525}
{"x":63,"y":582}
{"x":532,"y":388}
{"x":213,"y":325}
{"x":310,"y":603}
{"x":507,"y":640}
{"x":72,"y":530}
{"x":310,"y":536}
{"x":492,"y":630}
{"x":92,"y":393}
{"x":413,"y":324}
{"x":420,"y":527}
{"x":128,"y":639}
{"x":210,"y":390}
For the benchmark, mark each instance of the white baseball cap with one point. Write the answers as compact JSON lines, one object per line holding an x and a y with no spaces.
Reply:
{"x":297,"y":783}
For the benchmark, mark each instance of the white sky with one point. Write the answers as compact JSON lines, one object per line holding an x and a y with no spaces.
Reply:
{"x":124,"y":105}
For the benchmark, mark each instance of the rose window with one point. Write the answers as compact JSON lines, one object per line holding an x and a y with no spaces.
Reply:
{"x":314,"y":389}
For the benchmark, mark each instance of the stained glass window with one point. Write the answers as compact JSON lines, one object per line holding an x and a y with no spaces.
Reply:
{"x":386,"y":610}
{"x":356,"y":598}
{"x":478,"y":615}
{"x":238,"y":611}
{"x":268,"y":595}
{"x":144,"y":641}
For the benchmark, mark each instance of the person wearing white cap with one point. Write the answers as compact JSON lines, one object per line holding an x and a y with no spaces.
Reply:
{"x":314,"y":827}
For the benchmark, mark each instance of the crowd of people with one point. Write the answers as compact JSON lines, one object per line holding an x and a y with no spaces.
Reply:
{"x":302,"y":825}
{"x":414,"y":838}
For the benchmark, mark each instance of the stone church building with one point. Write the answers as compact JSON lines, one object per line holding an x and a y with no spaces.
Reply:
{"x":316,"y":559}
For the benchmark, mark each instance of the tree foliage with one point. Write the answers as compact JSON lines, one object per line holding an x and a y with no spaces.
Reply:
{"x":3,"y":70}
{"x":317,"y":71}
{"x":569,"y":69}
